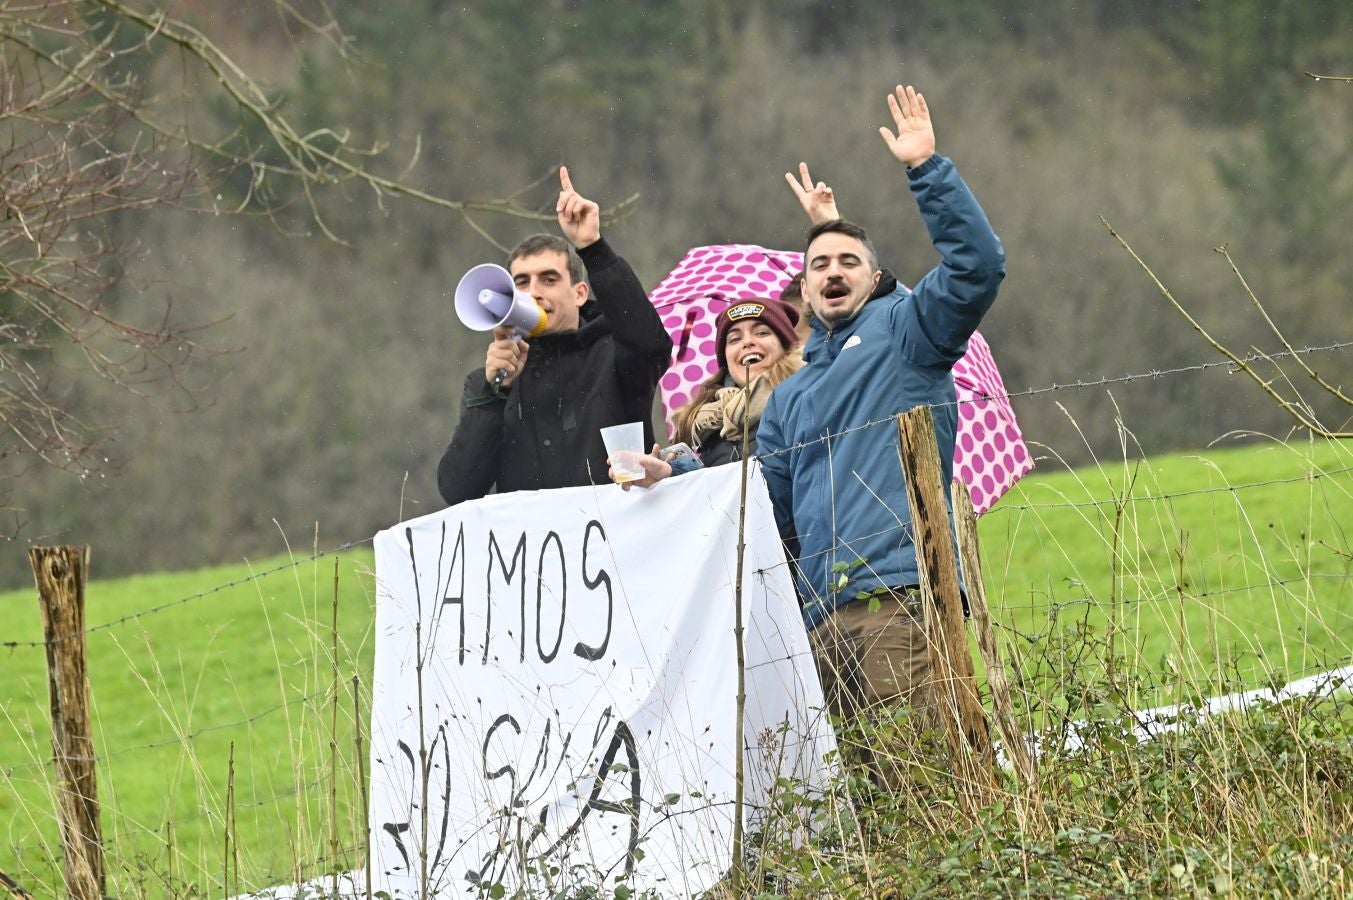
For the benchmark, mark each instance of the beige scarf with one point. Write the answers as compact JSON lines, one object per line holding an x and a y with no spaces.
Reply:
{"x":724,"y":414}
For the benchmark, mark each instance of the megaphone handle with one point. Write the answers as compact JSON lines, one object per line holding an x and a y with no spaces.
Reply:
{"x":502,"y":373}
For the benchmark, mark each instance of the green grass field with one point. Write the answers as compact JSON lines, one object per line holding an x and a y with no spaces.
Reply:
{"x":1196,"y":574}
{"x":1203,"y":572}
{"x":246,"y":668}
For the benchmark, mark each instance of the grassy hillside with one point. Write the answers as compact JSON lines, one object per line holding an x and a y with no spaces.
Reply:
{"x":1150,"y":580}
{"x":1203,"y":573}
{"x":225,"y":660}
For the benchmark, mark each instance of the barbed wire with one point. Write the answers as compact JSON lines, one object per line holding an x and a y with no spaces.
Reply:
{"x":1160,"y":498}
{"x":159,"y":608}
{"x":1104,"y":381}
{"x":124,"y":833}
{"x":1080,"y":504}
{"x":9,"y":771}
{"x":1005,"y":508}
{"x":1029,"y":392}
{"x":1050,"y":605}
{"x":1053,"y":608}
{"x":1172,"y":593}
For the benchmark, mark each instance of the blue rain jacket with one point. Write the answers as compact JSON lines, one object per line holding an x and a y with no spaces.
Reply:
{"x":828,"y":438}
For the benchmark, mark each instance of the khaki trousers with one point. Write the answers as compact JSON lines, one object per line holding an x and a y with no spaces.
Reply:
{"x":874,"y":659}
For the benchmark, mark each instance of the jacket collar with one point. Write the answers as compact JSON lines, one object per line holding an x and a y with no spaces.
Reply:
{"x":591,"y":325}
{"x":819,"y":333}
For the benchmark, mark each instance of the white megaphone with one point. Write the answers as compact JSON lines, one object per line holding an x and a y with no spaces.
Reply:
{"x":486,"y":298}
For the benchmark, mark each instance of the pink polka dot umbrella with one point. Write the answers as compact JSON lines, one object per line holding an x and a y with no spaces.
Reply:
{"x":989,"y":453}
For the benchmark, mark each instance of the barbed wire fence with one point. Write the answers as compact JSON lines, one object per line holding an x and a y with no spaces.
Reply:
{"x":1026,"y":624}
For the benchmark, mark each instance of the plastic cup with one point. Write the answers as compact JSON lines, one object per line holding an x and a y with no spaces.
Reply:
{"x":625,"y":448}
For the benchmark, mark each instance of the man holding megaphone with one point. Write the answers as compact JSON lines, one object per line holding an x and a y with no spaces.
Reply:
{"x":570,"y":355}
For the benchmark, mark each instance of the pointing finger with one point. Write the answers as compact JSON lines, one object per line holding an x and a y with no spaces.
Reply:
{"x":565,"y":183}
{"x":807,"y":179}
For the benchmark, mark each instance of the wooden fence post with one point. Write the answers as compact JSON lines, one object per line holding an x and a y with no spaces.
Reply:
{"x":951,"y":669}
{"x":969,"y":551}
{"x":60,"y":576}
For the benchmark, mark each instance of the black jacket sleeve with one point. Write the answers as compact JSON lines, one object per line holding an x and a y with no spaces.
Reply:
{"x":469,"y":467}
{"x":643,"y":346}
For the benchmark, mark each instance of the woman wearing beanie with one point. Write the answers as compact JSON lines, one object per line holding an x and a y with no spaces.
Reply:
{"x":754,"y":340}
{"x":758,"y":344}
{"x":757,"y":349}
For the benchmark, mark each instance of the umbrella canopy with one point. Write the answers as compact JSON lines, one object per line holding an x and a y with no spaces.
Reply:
{"x":704,"y":284}
{"x":989,"y":453}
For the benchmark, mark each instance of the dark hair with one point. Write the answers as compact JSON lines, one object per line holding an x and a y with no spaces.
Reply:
{"x":541,"y":243}
{"x":849,"y":229}
{"x":793,"y":290}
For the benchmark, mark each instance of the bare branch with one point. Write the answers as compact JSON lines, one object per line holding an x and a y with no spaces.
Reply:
{"x":85,"y":140}
{"x":1298,"y":410}
{"x":1329,"y":388}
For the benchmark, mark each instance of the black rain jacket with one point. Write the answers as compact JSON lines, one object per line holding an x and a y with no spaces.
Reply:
{"x":545,"y":430}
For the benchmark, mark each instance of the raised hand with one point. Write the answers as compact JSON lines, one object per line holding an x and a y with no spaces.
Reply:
{"x":914,"y":142}
{"x":579,"y":218}
{"x":816,"y":199}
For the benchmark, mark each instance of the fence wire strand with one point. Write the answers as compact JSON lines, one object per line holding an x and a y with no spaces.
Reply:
{"x":1153,"y":374}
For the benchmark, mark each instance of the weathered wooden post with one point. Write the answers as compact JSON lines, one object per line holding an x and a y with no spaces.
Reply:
{"x":969,"y":551}
{"x":953,"y":684}
{"x":60,"y":576}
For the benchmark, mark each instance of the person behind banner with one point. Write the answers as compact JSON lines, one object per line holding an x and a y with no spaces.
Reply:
{"x":597,"y":363}
{"x":757,"y":349}
{"x":827,"y":444}
{"x":711,"y":423}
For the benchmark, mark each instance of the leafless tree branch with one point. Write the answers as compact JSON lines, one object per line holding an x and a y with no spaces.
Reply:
{"x":91,"y":132}
{"x":1298,"y":408}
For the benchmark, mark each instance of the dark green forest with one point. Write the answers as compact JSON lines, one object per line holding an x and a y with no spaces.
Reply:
{"x":328,"y":384}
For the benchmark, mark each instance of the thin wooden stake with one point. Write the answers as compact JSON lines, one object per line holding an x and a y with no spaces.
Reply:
{"x":739,"y":774}
{"x":333,"y":744}
{"x":969,"y":550}
{"x":59,"y":573}
{"x":228,"y":831}
{"x":361,"y":778}
{"x":951,"y":670}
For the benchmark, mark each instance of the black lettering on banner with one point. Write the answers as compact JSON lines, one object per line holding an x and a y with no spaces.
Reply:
{"x":602,"y":578}
{"x":457,"y":558}
{"x":496,"y":862}
{"x":518,"y":555}
{"x":540,"y":595}
{"x":504,"y":719}
{"x":442,"y":739}
{"x":622,"y":737}
{"x":396,"y":830}
{"x":603,"y":722}
{"x":413,"y":564}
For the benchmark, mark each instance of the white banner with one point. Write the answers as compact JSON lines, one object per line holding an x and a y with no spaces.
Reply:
{"x":555,"y":688}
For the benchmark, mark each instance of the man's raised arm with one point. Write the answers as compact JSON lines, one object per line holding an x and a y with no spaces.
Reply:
{"x":620,"y":295}
{"x":952,"y":298}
